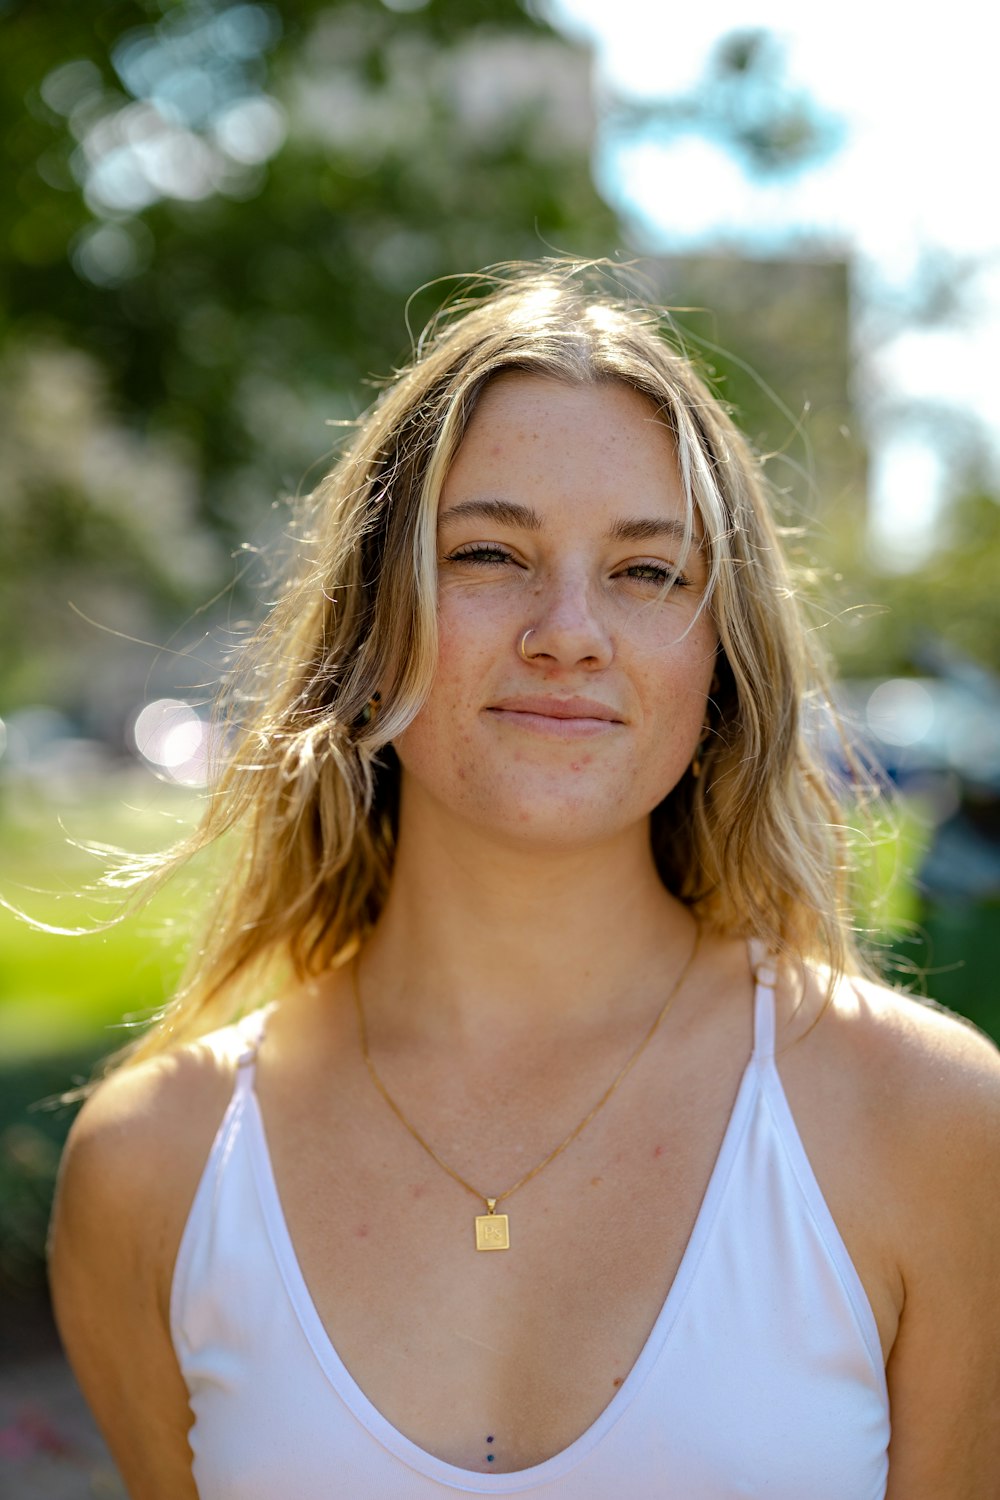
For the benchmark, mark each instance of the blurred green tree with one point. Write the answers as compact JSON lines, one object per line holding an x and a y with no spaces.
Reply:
{"x":745,"y":100}
{"x":948,"y":607}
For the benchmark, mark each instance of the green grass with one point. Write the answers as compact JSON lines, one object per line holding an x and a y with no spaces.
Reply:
{"x":60,"y":993}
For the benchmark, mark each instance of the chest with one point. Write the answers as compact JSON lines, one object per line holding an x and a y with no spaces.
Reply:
{"x":503,"y":1359}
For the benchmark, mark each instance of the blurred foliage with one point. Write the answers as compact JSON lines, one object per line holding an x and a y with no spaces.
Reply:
{"x":949,"y":604}
{"x":754,"y":327}
{"x":29,"y":1157}
{"x":955,"y":949}
{"x":214,"y":213}
{"x":746,"y":101}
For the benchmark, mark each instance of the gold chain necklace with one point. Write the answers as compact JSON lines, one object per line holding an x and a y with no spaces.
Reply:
{"x":493,"y":1229}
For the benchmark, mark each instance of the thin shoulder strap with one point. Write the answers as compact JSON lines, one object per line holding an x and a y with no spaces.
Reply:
{"x":765,"y":978}
{"x":251,"y":1029}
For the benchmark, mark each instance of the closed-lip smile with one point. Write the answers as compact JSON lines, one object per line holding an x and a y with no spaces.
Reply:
{"x":579,"y":712}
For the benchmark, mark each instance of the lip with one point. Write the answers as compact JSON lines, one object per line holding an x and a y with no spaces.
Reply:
{"x":558,"y":718}
{"x":558,"y":708}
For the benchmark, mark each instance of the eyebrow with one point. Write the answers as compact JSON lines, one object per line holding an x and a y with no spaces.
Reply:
{"x":648,"y":529}
{"x":503,"y":512}
{"x":509,"y":513}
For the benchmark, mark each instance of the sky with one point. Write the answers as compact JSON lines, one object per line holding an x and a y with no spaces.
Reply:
{"x":912,"y":184}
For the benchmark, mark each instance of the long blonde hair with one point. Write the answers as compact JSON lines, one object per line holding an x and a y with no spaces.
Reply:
{"x":308,"y":783}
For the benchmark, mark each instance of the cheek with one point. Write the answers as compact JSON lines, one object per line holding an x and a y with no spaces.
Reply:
{"x":462,"y":656}
{"x":677,"y":709}
{"x":476,"y":639}
{"x":682,"y":684}
{"x":436,"y":744}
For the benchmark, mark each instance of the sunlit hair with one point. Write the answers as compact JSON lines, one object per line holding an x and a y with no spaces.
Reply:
{"x":307,"y":791}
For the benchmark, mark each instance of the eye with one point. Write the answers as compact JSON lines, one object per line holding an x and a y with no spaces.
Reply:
{"x":486,"y":553}
{"x":656,"y":573}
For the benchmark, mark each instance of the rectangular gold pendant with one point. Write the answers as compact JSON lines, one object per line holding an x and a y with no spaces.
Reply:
{"x":492,"y":1230}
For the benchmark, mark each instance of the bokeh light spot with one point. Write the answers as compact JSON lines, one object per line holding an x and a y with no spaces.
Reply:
{"x":172,"y":736}
{"x":900,"y":711}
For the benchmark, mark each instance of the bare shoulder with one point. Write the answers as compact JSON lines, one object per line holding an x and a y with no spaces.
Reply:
{"x":129,"y":1173}
{"x":145,"y":1129}
{"x":921,"y":1088}
{"x":920,"y":1062}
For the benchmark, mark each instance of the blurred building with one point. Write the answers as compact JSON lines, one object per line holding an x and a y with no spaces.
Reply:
{"x":776,"y":336}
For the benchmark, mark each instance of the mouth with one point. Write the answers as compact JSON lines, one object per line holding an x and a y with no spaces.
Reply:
{"x":564,"y":718}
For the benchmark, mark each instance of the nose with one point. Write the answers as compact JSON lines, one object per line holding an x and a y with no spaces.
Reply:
{"x":568,"y":628}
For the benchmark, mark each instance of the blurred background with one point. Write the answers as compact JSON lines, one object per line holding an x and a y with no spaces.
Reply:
{"x":217,"y":220}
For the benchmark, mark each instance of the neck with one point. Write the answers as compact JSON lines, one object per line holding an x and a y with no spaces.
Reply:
{"x":483,"y":940}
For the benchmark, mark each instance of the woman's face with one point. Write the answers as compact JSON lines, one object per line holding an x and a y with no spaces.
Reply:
{"x":562,"y":515}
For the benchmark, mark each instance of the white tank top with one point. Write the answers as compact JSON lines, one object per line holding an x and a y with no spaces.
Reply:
{"x":762,"y":1375}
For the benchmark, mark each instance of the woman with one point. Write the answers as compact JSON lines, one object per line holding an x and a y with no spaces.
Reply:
{"x":546,"y":885}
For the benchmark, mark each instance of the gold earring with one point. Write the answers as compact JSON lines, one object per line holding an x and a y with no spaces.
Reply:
{"x":697,"y":765}
{"x":370,"y":711}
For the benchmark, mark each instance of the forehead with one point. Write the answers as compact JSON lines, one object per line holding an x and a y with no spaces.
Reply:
{"x":545,"y":441}
{"x":539,"y":405}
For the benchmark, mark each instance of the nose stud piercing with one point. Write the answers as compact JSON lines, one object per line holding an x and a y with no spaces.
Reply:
{"x":524,"y":638}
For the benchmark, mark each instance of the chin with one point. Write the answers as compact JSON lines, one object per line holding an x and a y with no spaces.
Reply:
{"x":532,"y":807}
{"x":552,"y":824}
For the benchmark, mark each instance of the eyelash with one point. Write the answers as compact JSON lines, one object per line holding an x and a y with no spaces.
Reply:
{"x":484,"y":552}
{"x":489,"y":555}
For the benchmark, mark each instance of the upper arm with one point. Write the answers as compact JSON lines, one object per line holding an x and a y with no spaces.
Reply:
{"x":944,"y":1369}
{"x":128,"y":1174}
